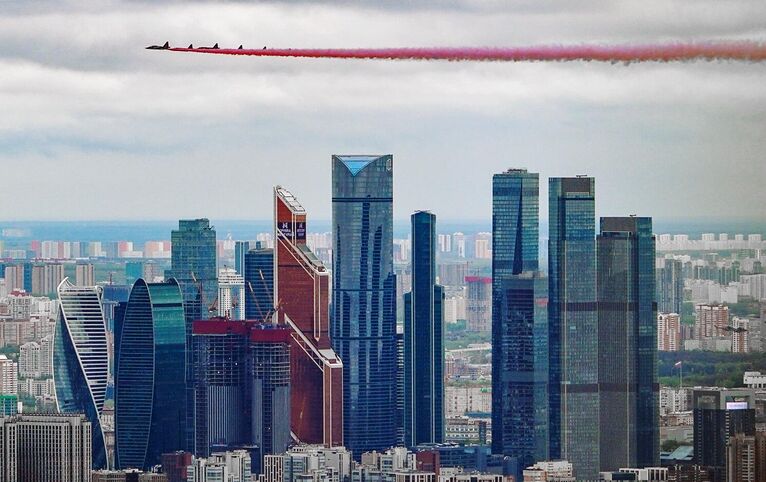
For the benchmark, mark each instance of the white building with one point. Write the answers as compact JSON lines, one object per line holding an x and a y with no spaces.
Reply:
{"x":755,"y":380}
{"x":231,"y":294}
{"x":549,"y":470}
{"x":231,"y":466}
{"x":29,"y":359}
{"x":9,"y":376}
{"x":461,"y":400}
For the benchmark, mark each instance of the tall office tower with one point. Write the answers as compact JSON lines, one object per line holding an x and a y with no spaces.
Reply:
{"x":240,"y":249}
{"x":268,"y":371}
{"x":670,"y":286}
{"x":478,"y":305}
{"x":231,"y":294}
{"x":259,"y":284}
{"x":364,"y":298}
{"x":150,"y":376}
{"x":519,"y":337}
{"x":399,"y":388}
{"x":84,"y":275}
{"x":424,"y":340}
{"x":242,"y":386}
{"x":573,"y":323}
{"x":720,"y":414}
{"x":627,"y":344}
{"x":669,"y":332}
{"x":133,"y":271}
{"x":81,"y":359}
{"x":45,"y":448}
{"x":193,"y":264}
{"x":302,"y":293}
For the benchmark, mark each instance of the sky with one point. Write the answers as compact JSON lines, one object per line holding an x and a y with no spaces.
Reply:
{"x":95,"y":127}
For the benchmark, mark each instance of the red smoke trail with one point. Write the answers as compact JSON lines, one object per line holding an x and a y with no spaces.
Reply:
{"x":737,"y":51}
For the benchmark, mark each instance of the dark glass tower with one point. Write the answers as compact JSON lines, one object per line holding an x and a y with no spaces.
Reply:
{"x":259,"y":283}
{"x":193,"y":265}
{"x":573,"y":323}
{"x":363,"y":325}
{"x":519,"y":335}
{"x":627,"y":341}
{"x":150,"y":388}
{"x":424,"y":340}
{"x":240,"y":249}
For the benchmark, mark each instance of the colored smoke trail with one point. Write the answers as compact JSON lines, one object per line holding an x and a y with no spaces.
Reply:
{"x":747,"y":51}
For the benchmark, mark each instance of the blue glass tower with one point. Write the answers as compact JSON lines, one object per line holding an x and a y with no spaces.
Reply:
{"x":259,"y":283}
{"x":150,"y":381}
{"x":81,"y":360}
{"x":240,"y":249}
{"x":424,"y":340}
{"x":364,"y":298}
{"x":573,"y":323}
{"x":519,"y":335}
{"x":627,"y":336}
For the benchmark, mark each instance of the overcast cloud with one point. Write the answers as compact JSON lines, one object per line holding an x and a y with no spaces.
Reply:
{"x":95,"y":127}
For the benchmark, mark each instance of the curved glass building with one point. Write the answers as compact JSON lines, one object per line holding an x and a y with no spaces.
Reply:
{"x":81,"y":359}
{"x":363,"y":327}
{"x":150,"y":374}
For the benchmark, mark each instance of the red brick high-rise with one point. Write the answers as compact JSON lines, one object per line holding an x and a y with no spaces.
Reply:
{"x":301,"y":293}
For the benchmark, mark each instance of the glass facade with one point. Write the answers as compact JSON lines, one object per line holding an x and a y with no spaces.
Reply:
{"x":521,"y":410}
{"x":519,"y":337}
{"x":670,"y":286}
{"x":363,"y":325}
{"x":573,"y":324}
{"x":81,"y":360}
{"x":627,"y":337}
{"x":424,"y":340}
{"x":259,"y":283}
{"x":150,"y":381}
{"x":240,"y":249}
{"x":193,"y":265}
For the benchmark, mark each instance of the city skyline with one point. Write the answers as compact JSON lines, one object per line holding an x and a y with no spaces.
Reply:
{"x":85,"y":108}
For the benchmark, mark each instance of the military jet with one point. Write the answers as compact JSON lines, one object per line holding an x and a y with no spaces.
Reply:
{"x":214,"y":47}
{"x":159,"y":47}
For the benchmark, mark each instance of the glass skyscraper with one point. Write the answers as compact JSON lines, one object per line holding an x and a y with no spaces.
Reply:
{"x":573,"y":323}
{"x":81,"y":360}
{"x":627,"y":341}
{"x":193,"y":265}
{"x":519,"y":336}
{"x":240,"y":249}
{"x":670,"y":286}
{"x":364,"y":298}
{"x":424,"y":340}
{"x":259,"y":283}
{"x":150,"y":381}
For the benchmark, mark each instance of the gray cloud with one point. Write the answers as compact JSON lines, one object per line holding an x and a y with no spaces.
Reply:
{"x":92,"y":118}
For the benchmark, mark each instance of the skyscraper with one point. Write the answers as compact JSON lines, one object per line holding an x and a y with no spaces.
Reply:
{"x":519,"y":336}
{"x":627,"y":344}
{"x":364,"y":298}
{"x":424,"y":340}
{"x":573,"y":323}
{"x":242,"y":386}
{"x":720,"y":414}
{"x":193,"y":265}
{"x":670,"y":286}
{"x":240,"y":249}
{"x":81,"y":359}
{"x":302,"y":293}
{"x":150,"y":384}
{"x":259,"y":283}
{"x":231,"y":294}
